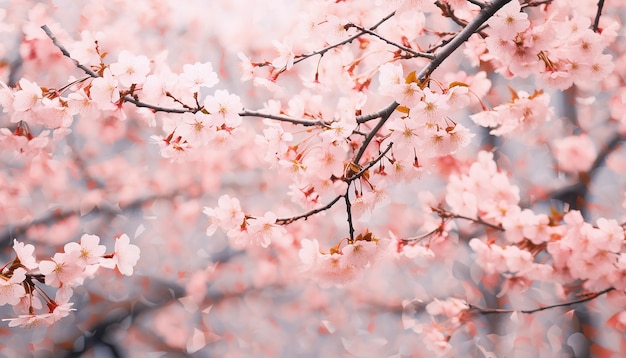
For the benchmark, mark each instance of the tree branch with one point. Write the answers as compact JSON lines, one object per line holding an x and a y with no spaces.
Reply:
{"x":304,"y":122}
{"x":564,"y":304}
{"x":286,"y":221}
{"x":56,"y":43}
{"x":346,"y":196}
{"x":596,"y":22}
{"x":403,"y":48}
{"x":348,"y":40}
{"x":485,"y":13}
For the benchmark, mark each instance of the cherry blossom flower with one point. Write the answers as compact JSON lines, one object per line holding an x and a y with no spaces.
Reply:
{"x":63,"y":269}
{"x":263,"y":230}
{"x":326,"y":161}
{"x":27,"y":97}
{"x":25,"y":254}
{"x":431,"y":108}
{"x":130,"y":69}
{"x":197,"y":129}
{"x":84,"y":51}
{"x":285,"y":57}
{"x":226,"y":216}
{"x":247,"y":69}
{"x":276,"y":140}
{"x":333,"y":29}
{"x":90,"y":252}
{"x":450,"y":307}
{"x":11,"y":288}
{"x":509,"y":21}
{"x":224,"y":108}
{"x":389,"y":76}
{"x":360,"y":253}
{"x":104,"y":91}
{"x":574,"y":153}
{"x":126,"y":255}
{"x":198,"y":75}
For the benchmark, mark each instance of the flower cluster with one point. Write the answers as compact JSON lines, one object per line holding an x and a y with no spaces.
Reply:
{"x":342,"y":264}
{"x":242,"y":230}
{"x":562,"y":50}
{"x":483,"y":192}
{"x":523,"y":112}
{"x":20,"y":279}
{"x":426,"y":129}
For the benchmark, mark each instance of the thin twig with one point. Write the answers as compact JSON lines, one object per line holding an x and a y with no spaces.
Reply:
{"x":349,"y":211}
{"x":369,"y":138}
{"x":304,"y":122}
{"x":56,"y":43}
{"x":371,"y":164}
{"x":477,"y":3}
{"x":403,"y":48}
{"x":286,"y":221}
{"x":346,"y":41}
{"x":564,"y":304}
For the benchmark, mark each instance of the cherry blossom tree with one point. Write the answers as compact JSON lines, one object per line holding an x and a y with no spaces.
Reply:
{"x":318,"y":178}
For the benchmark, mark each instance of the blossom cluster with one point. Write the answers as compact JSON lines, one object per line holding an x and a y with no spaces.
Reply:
{"x":242,"y":230}
{"x":426,"y":130}
{"x":194,"y":123}
{"x":562,"y":50}
{"x":20,"y":279}
{"x":342,"y":264}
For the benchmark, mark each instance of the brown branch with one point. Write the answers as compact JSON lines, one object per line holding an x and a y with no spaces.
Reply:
{"x":304,"y":122}
{"x":403,"y":48}
{"x":371,"y":164}
{"x":596,"y":21}
{"x":382,"y":113}
{"x":64,"y":51}
{"x":287,"y":221}
{"x":346,"y":41}
{"x":588,"y":297}
{"x":448,"y":215}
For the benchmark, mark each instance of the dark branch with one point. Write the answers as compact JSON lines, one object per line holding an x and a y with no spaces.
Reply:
{"x":403,"y":48}
{"x":346,"y":196}
{"x":564,"y":304}
{"x":56,"y":43}
{"x":596,"y":22}
{"x":286,"y":221}
{"x":346,"y":41}
{"x":382,"y":113}
{"x":304,"y":122}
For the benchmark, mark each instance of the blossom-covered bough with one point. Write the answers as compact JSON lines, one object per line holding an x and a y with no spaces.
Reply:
{"x":409,"y":176}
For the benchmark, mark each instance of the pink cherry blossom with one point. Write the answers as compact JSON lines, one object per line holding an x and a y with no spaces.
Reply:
{"x":90,"y":252}
{"x":25,"y":254}
{"x":126,"y":255}
{"x":263,"y":230}
{"x":62,"y":269}
{"x":574,"y":153}
{"x":104,"y":91}
{"x":224,"y":108}
{"x":198,"y":75}
{"x":27,"y":97}
{"x":285,"y":57}
{"x":130,"y":69}
{"x":509,"y":21}
{"x":227,"y":215}
{"x":11,"y":289}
